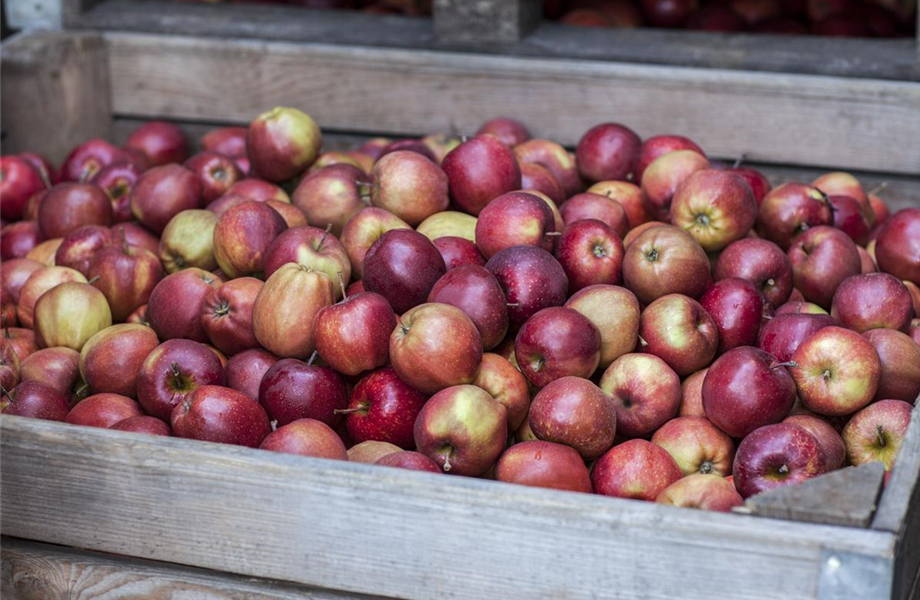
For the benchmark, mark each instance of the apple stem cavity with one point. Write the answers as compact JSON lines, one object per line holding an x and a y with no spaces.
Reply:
{"x":881,"y":436}
{"x":652,"y":255}
{"x":222,"y":309}
{"x":827,"y":374}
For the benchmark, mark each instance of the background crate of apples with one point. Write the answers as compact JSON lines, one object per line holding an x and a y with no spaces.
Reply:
{"x":274,"y":294}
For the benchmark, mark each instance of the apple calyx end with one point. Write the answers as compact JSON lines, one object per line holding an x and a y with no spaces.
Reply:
{"x":706,"y":467}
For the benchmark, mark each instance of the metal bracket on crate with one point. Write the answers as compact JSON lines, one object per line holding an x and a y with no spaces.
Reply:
{"x":850,"y":576}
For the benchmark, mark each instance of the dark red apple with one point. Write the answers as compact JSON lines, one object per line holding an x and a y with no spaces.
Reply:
{"x":19,"y":181}
{"x":332,"y":194}
{"x":112,"y":359}
{"x":776,"y":455}
{"x":402,"y":266}
{"x":575,"y":412}
{"x":557,"y":342}
{"x":311,"y":247}
{"x":458,"y":251}
{"x":761,"y":262}
{"x":143,"y":424}
{"x":171,"y":372}
{"x":832,"y":446}
{"x":536,"y":177}
{"x":556,"y":159}
{"x":383,"y":408}
{"x":117,"y":181}
{"x":175,"y":305}
{"x":607,"y":152}
{"x":413,"y":461}
{"x":475,"y":291}
{"x":514,"y":219}
{"x":126,"y":275}
{"x":18,"y":239}
{"x":656,"y":146}
{"x":292,"y":389}
{"x":791,"y":209}
{"x":160,"y":142}
{"x":103,"y":410}
{"x":590,"y":253}
{"x":531,"y":280}
{"x":35,"y":400}
{"x":510,"y":132}
{"x":15,"y":272}
{"x":78,"y":248}
{"x":898,"y":247}
{"x":163,"y":192}
{"x":226,"y":315}
{"x":850,"y":218}
{"x":635,"y":469}
{"x":544,"y":464}
{"x":822,"y":258}
{"x":244,"y":371}
{"x":479,"y":170}
{"x":243,"y":235}
{"x":216,"y":172}
{"x":93,"y":155}
{"x":899,"y":356}
{"x":784,"y":333}
{"x":736,"y":307}
{"x":229,"y":141}
{"x":213,"y":413}
{"x":69,"y":206}
{"x":645,"y":391}
{"x":353,"y":336}
{"x":58,"y":368}
{"x":872,"y":301}
{"x":281,"y":143}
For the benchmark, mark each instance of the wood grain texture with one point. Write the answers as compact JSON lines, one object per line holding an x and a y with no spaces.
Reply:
{"x":485,"y":22}
{"x":55,"y":92}
{"x":409,"y":535}
{"x":847,"y":123}
{"x":32,"y":571}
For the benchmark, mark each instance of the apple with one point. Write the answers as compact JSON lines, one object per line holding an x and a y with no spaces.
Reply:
{"x":293,"y":216}
{"x":544,"y":464}
{"x":784,"y":333}
{"x":87,"y":159}
{"x":480,"y":169}
{"x":7,"y":307}
{"x":9,"y":365}
{"x":413,"y":461}
{"x":458,"y":251}
{"x":292,"y":389}
{"x":614,"y":311}
{"x":258,"y":190}
{"x":629,"y":196}
{"x":665,"y":260}
{"x":70,"y":314}
{"x":187,"y":241}
{"x":635,"y":469}
{"x":678,"y":330}
{"x":691,"y":395}
{"x":19,"y":181}
{"x":607,"y":151}
{"x":160,"y":142}
{"x":736,"y":307}
{"x":435,"y":346}
{"x":776,"y":455}
{"x":163,"y":192}
{"x":306,"y":437}
{"x":697,"y":446}
{"x":44,"y":252}
{"x":745,"y":389}
{"x":557,"y":160}
{"x":371,"y":451}
{"x":171,"y":372}
{"x":244,"y":371}
{"x":622,"y":14}
{"x":897,"y":249}
{"x":415,"y":146}
{"x":284,"y":310}
{"x":514,"y":219}
{"x":664,"y":175}
{"x":353,"y":336}
{"x":216,"y":172}
{"x":175,"y":305}
{"x":57,"y":368}
{"x":363,"y":229}
{"x":281,"y":143}
{"x":761,"y":262}
{"x":117,"y":181}
{"x":822,"y":258}
{"x":333,"y":157}
{"x":79,"y":246}
{"x":35,"y":400}
{"x":837,"y":371}
{"x":575,"y":412}
{"x":476,"y":292}
{"x":462,"y":429}
{"x":69,"y":206}
{"x":103,"y":410}
{"x":536,"y":177}
{"x":409,"y":185}
{"x":332,"y":194}
{"x":839,"y":183}
{"x":595,"y":206}
{"x":22,"y":340}
{"x":879,"y":209}
{"x":15,"y":272}
{"x":590,"y":254}
{"x":866,"y":262}
{"x":137,"y":236}
{"x":402,"y":266}
{"x":111,"y":360}
{"x":213,"y":413}
{"x":506,"y":385}
{"x":832,"y":446}
{"x":876,"y":433}
{"x":715,"y":207}
{"x":557,"y":342}
{"x":126,"y":275}
{"x":449,"y":223}
{"x":850,"y":218}
{"x":758,"y":183}
{"x":791,"y":209}
{"x":39,"y":282}
{"x":510,"y":132}
{"x":799,"y":306}
{"x":645,"y":392}
{"x":313,"y":248}
{"x":531,"y":280}
{"x":243,"y":235}
{"x":899,"y":357}
{"x":226,"y":315}
{"x":17,"y":239}
{"x":703,"y":492}
{"x":143,"y":424}
{"x":383,"y":408}
{"x":876,"y":300}
{"x":230,"y":141}
{"x":40,"y":163}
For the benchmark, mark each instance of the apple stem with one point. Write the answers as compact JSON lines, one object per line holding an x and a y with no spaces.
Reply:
{"x":642,"y":341}
{"x":783,"y":470}
{"x":342,"y":284}
{"x":85,"y":174}
{"x":274,"y":424}
{"x":124,"y":239}
{"x":312,"y":358}
{"x":738,"y":161}
{"x":553,"y":233}
{"x":347,"y":411}
{"x":512,"y":304}
{"x":447,"y":466}
{"x":878,"y":189}
{"x":790,"y":363}
{"x":176,"y":373}
{"x":6,"y":327}
{"x":93,"y":280}
{"x":325,"y":233}
{"x":881,"y":436}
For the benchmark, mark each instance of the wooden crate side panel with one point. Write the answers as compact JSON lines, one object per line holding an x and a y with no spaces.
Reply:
{"x":769,"y":118}
{"x":410,"y":535}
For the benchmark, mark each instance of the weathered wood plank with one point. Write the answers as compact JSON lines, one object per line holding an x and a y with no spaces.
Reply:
{"x":32,"y":571}
{"x":486,"y":22}
{"x":846,"y":497}
{"x":409,"y":535}
{"x":55,"y":92}
{"x":847,"y":123}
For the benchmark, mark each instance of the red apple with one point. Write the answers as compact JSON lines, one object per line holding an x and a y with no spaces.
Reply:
{"x":313,"y":248}
{"x":353,"y":336}
{"x":243,"y":235}
{"x":590,"y":253}
{"x":898,"y":247}
{"x":508,"y":131}
{"x":697,"y":446}
{"x":117,"y":181}
{"x":160,"y":142}
{"x":635,"y":469}
{"x":664,"y":175}
{"x":832,"y":447}
{"x":281,"y":143}
{"x":39,"y":282}
{"x":839,"y":183}
{"x":790,"y":209}
{"x":575,"y":412}
{"x":557,"y":160}
{"x":244,"y":371}
{"x":15,"y":272}
{"x":363,"y":229}
{"x":226,"y":315}
{"x":163,"y":192}
{"x":216,"y":172}
{"x":137,"y":236}
{"x":213,"y":413}
{"x":176,"y":303}
{"x":514,"y":219}
{"x":332,"y":194}
{"x":822,"y":258}
{"x":371,"y":451}
{"x":17,"y":239}
{"x":171,"y":372}
{"x":784,"y":333}
{"x":659,"y":145}
{"x":143,"y":424}
{"x":665,"y":260}
{"x":531,"y":280}
{"x":78,"y":248}
{"x":761,"y":262}
{"x":35,"y":400}
{"x":557,"y":342}
{"x":126,"y":275}
{"x":103,"y":410}
{"x":306,"y":437}
{"x":112,"y":359}
{"x":866,"y":262}
{"x":876,"y":300}
{"x":645,"y":392}
{"x":22,"y":340}
{"x":384,"y":408}
{"x":879,"y":209}
{"x":607,"y":151}
{"x":458,"y":251}
{"x":93,"y":155}
{"x":544,"y":464}
{"x":759,"y":184}
{"x":715,"y":207}
{"x":402,"y":266}
{"x":679,"y":331}
{"x":899,"y":356}
{"x":536,"y":177}
{"x":704,"y":492}
{"x":505,"y":383}
{"x":409,"y":185}
{"x":595,"y":206}
{"x":415,"y":146}
{"x":876,"y":433}
{"x":476,"y":292}
{"x":776,"y":455}
{"x":292,"y":389}
{"x":9,"y":365}
{"x":19,"y":180}
{"x":615,"y":312}
{"x":69,"y":206}
{"x":850,"y":218}
{"x":736,"y":307}
{"x":229,"y":141}
{"x":413,"y":461}
{"x":627,"y":195}
{"x":58,"y":368}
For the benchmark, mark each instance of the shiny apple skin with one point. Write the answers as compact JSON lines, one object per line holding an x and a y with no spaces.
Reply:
{"x":175,"y":304}
{"x":557,"y":342}
{"x":531,"y":280}
{"x":784,"y":333}
{"x":458,"y":251}
{"x":385,"y":408}
{"x":292,"y":389}
{"x":413,"y":461}
{"x":69,"y":206}
{"x":226,"y":315}
{"x":645,"y":392}
{"x":143,"y":424}
{"x":306,"y":437}
{"x":678,"y":330}
{"x":544,"y":464}
{"x":171,"y":372}
{"x":244,"y":371}
{"x":160,"y":142}
{"x":736,"y":306}
{"x":575,"y":412}
{"x":873,"y":301}
{"x":761,"y":262}
{"x":636,"y":469}
{"x":776,"y":455}
{"x":897,"y":248}
{"x":665,"y":260}
{"x":353,"y":336}
{"x":103,"y":410}
{"x":715,"y":207}
{"x":35,"y":400}
{"x":402,"y":266}
{"x":607,"y":152}
{"x":899,"y":356}
{"x":479,"y":170}
{"x":832,"y":446}
{"x":163,"y":192}
{"x":791,"y":209}
{"x":822,"y":258}
{"x":475,"y":291}
{"x":877,"y":432}
{"x":514,"y":219}
{"x":111,"y":360}
{"x":213,"y":413}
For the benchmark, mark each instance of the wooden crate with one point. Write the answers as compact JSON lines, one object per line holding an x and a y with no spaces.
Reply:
{"x":144,"y":517}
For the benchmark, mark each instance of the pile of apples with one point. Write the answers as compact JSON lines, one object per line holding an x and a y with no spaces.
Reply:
{"x":642,"y":322}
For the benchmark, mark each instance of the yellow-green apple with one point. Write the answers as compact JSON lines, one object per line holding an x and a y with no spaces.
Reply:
{"x":35,"y":400}
{"x":873,"y":301}
{"x":458,"y":251}
{"x":244,"y":371}
{"x":590,"y":253}
{"x":832,"y":446}
{"x":557,"y":160}
{"x":293,"y":216}
{"x":313,"y":248}
{"x":9,"y":365}
{"x":557,"y":342}
{"x":103,"y":410}
{"x":365,"y":228}
{"x":479,"y":170}
{"x":791,"y":209}
{"x":283,"y":313}
{"x":664,"y":175}
{"x":175,"y":306}
{"x":281,"y":143}
{"x":331,"y":195}
{"x":876,"y":433}
{"x":899,"y":356}
{"x":243,"y":235}
{"x":382,"y":407}
{"x":137,"y":235}
{"x":15,"y":272}
{"x":449,"y":223}
{"x":353,"y":335}
{"x":163,"y":192}
{"x":821,"y":259}
{"x":171,"y":371}
{"x":216,"y":172}
{"x":188,"y":241}
{"x":659,"y":145}
{"x":575,"y":412}
{"x":462,"y":429}
{"x":160,"y":142}
{"x":306,"y":437}
{"x":117,"y":181}
{"x":839,"y":183}
{"x":850,"y":218}
{"x":715,"y":207}
{"x":607,"y":151}
{"x":371,"y":451}
{"x":402,"y":266}
{"x":409,"y":185}
{"x":614,"y":311}
{"x":537,"y":178}
{"x":413,"y":461}
{"x":111,"y":360}
{"x":44,"y":252}
{"x":213,"y":413}
{"x":226,"y":315}
{"x":758,"y":183}
{"x":143,"y":424}
{"x":589,"y":205}
{"x":678,"y":330}
{"x":69,"y":315}
{"x":635,"y":469}
{"x":761,"y":262}
{"x":628,"y":195}
{"x":531,"y":279}
{"x":510,"y":132}
{"x":18,"y":239}
{"x":506,"y":385}
{"x":798,"y":307}
{"x":126,"y":275}
{"x":544,"y":464}
{"x":776,"y":455}
{"x":58,"y":368}
{"x":897,"y":248}
{"x":514,"y":219}
{"x":645,"y":391}
{"x":435,"y":346}
{"x":697,"y":446}
{"x":745,"y":389}
{"x":691,"y":395}
{"x":837,"y":371}
{"x":476,"y":292}
{"x":69,"y":206}
{"x":784,"y":333}
{"x":78,"y":247}
{"x":703,"y":492}
{"x":665,"y":260}
{"x":39,"y":282}
{"x":19,"y":181}
{"x":737,"y":308}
